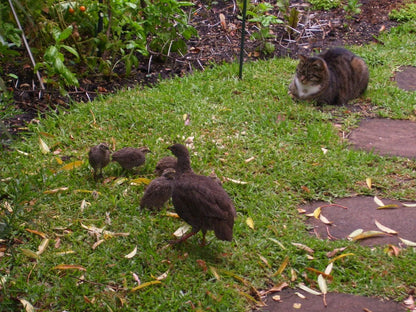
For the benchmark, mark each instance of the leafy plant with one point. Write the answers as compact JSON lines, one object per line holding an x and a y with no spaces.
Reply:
{"x":54,"y":59}
{"x":407,"y":13}
{"x":325,"y":4}
{"x":353,"y":7}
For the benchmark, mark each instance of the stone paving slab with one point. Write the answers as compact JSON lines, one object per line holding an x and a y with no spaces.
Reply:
{"x":361,"y":213}
{"x":386,"y":137}
{"x":336,"y":302}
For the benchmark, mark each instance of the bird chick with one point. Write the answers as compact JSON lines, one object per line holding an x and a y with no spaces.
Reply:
{"x":165,"y":163}
{"x":99,"y":157}
{"x":158,"y":192}
{"x":200,"y":201}
{"x":130,"y":157}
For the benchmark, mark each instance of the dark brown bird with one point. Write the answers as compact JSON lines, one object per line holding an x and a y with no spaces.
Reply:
{"x":99,"y":157}
{"x":200,"y":201}
{"x":165,"y":163}
{"x":130,"y":157}
{"x":158,"y":192}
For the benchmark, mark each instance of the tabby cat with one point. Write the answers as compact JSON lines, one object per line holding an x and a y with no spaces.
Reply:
{"x":332,"y":77}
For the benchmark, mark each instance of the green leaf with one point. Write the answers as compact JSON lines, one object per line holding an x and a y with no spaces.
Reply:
{"x":71,"y":50}
{"x":65,"y":34}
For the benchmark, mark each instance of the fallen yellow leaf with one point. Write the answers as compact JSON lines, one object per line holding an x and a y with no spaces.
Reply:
{"x":140,"y":181}
{"x":72,"y":165}
{"x":384,"y":228}
{"x":341,"y":256}
{"x":250,"y":223}
{"x":388,"y":206}
{"x":69,"y":267}
{"x":145,"y":285}
{"x":282,"y":266}
{"x":408,"y":242}
{"x":368,"y":234}
{"x":368,"y":181}
{"x":43,"y":147}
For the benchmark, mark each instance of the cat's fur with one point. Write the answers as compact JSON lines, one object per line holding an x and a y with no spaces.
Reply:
{"x":333,"y":77}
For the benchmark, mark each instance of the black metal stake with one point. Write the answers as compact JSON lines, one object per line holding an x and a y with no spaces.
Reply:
{"x":243,"y":33}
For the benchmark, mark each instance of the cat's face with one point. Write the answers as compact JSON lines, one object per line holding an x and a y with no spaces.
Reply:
{"x":310,"y":71}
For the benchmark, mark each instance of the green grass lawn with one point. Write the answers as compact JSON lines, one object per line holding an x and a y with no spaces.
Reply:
{"x":249,"y":131}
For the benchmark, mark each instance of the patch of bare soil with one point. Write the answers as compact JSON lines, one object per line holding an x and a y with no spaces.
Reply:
{"x":216,"y":43}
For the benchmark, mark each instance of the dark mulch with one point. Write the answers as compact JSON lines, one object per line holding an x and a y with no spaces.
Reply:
{"x":336,"y":302}
{"x":386,"y":137}
{"x":316,"y":30}
{"x":350,"y":214}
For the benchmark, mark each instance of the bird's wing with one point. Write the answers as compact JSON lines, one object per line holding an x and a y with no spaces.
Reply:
{"x":203,"y":197}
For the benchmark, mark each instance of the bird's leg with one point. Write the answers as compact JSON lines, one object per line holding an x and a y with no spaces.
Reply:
{"x":183,"y":238}
{"x":204,"y":241}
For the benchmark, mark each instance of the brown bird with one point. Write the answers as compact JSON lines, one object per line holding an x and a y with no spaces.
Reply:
{"x":158,"y":192}
{"x":99,"y":157}
{"x":130,"y":157}
{"x":165,"y":163}
{"x":200,"y":201}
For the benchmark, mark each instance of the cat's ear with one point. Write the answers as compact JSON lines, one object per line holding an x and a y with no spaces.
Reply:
{"x":302,"y":57}
{"x":318,"y":64}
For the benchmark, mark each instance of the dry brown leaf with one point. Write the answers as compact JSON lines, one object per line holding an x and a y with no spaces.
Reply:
{"x":309,"y":290}
{"x":42,"y":247}
{"x":172,"y":214}
{"x":43,"y":235}
{"x":324,"y":220}
{"x":409,"y":205}
{"x":278,"y":287}
{"x":131,"y":254}
{"x":297,"y":305}
{"x":378,"y":201}
{"x":264,"y":260}
{"x":304,"y":247}
{"x":97,"y":243}
{"x":57,"y":190}
{"x":276,"y":298}
{"x":408,"y":242}
{"x":182,"y":230}
{"x":322,"y":284}
{"x":328,"y":269}
{"x":317,"y":272}
{"x":282,"y":266}
{"x":69,"y":267}
{"x":215,"y":273}
{"x":223,"y":22}
{"x":392,"y":250}
{"x":332,"y":253}
{"x":162,"y":276}
{"x":235,"y":181}
{"x":27,"y":305}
